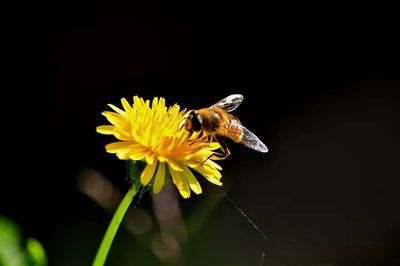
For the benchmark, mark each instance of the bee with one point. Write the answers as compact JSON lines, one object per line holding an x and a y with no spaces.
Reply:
{"x":216,"y":121}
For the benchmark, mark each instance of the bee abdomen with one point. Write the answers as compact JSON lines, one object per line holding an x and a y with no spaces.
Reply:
{"x":235,"y":130}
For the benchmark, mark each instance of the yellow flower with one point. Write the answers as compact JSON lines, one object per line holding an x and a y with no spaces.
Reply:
{"x":155,"y":134}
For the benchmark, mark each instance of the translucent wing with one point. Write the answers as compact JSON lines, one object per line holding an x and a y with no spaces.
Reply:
{"x":238,"y":133}
{"x":252,"y":141}
{"x":229,"y":103}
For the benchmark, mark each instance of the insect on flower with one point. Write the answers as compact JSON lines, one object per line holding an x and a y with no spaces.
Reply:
{"x":216,"y":121}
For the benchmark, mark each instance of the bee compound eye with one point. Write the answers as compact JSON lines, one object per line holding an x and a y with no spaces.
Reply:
{"x":192,"y":114}
{"x":196,"y":123}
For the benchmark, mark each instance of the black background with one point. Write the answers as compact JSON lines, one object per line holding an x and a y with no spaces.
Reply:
{"x":322,"y":93}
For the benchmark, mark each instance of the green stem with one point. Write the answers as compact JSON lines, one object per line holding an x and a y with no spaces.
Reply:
{"x":112,"y":229}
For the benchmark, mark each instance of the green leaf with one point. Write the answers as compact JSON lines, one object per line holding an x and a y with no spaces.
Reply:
{"x":13,"y":252}
{"x":35,"y":252}
{"x":9,"y":232}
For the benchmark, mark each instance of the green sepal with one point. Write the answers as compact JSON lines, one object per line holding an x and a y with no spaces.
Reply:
{"x":167,"y":176}
{"x":135,"y":169}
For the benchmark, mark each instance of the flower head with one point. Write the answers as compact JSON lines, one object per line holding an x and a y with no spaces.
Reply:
{"x":154,"y":134}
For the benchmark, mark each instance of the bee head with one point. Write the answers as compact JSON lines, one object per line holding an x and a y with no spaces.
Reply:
{"x":194,"y":121}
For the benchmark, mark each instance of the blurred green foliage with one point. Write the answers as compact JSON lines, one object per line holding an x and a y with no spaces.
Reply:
{"x":17,"y":251}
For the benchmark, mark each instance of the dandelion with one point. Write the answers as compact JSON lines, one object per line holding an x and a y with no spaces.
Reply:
{"x":154,"y":134}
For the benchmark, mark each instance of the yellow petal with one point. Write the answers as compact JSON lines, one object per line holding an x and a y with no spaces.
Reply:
{"x":180,"y":183}
{"x":137,"y":152}
{"x":150,"y":158}
{"x":193,"y":183}
{"x":122,"y":134}
{"x":115,"y":119}
{"x":116,"y":109}
{"x":213,"y":164}
{"x":147,"y":173}
{"x":118,"y":146}
{"x":126,"y":105}
{"x":137,"y":148}
{"x":214,"y":146}
{"x":135,"y":135}
{"x":211,"y":171}
{"x":162,"y":102}
{"x":106,"y":130}
{"x":213,"y":180}
{"x":154,"y":104}
{"x":209,"y":176}
{"x":159,"y":179}
{"x":123,"y":155}
{"x":174,"y":166}
{"x":162,"y":159}
{"x":137,"y":156}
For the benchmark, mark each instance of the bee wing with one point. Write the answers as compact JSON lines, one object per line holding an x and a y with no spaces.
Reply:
{"x":229,"y":103}
{"x":252,"y":141}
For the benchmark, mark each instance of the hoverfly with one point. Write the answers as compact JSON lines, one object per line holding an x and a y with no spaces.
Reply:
{"x":216,"y":121}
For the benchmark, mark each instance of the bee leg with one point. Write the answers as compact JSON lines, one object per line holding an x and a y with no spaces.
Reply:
{"x":224,"y":149}
{"x":219,"y":156}
{"x":211,"y":155}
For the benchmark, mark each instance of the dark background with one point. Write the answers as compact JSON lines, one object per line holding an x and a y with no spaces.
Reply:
{"x":322,"y":93}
